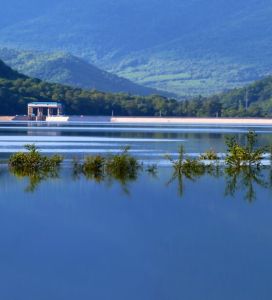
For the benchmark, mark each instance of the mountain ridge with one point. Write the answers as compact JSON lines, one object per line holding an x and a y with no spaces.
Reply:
{"x":16,"y":90}
{"x":67,"y":69}
{"x":185,"y":47}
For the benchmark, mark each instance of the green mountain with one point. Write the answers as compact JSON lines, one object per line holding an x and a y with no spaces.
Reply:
{"x":17,"y":90}
{"x":7,"y":73}
{"x":68,"y":69}
{"x":189,"y":47}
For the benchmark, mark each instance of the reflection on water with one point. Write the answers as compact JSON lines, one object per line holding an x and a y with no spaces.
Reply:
{"x":245,"y":178}
{"x":147,"y":142}
{"x":75,"y":237}
{"x":35,"y":179}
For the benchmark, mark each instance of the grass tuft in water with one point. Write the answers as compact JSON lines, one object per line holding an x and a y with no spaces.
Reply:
{"x":122,"y":167}
{"x":34,"y":165}
{"x":238,"y":155}
{"x":209,"y":155}
{"x":94,"y":167}
{"x":33,"y":161}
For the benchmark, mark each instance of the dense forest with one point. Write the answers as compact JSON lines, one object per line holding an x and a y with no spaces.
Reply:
{"x":17,"y":90}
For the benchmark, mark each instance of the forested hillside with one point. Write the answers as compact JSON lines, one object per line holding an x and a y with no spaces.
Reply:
{"x":189,"y":47}
{"x":7,"y":73}
{"x":17,"y":90}
{"x":67,"y":69}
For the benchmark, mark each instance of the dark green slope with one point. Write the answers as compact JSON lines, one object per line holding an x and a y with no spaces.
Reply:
{"x":17,"y":90}
{"x":7,"y":73}
{"x":185,"y":46}
{"x":68,"y":69}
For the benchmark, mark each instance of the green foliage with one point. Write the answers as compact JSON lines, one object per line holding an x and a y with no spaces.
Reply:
{"x":202,"y":47}
{"x":238,"y":155}
{"x":94,"y":167}
{"x":33,"y":161}
{"x":34,"y":166}
{"x":209,"y":155}
{"x":186,"y":166}
{"x":70,"y":70}
{"x":122,"y":167}
{"x":16,"y":93}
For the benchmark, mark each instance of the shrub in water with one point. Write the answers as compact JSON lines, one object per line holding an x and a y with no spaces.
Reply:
{"x":209,"y":155}
{"x":187,"y":167}
{"x":94,"y":167}
{"x":238,"y":155}
{"x":33,"y":161}
{"x":34,"y":165}
{"x":122,"y":167}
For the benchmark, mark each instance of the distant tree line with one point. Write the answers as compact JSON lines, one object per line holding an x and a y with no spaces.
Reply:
{"x":253,"y":101}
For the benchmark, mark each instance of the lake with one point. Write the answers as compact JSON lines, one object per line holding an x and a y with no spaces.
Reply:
{"x":152,"y":238}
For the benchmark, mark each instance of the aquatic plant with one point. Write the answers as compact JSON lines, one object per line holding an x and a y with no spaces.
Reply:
{"x":33,"y":161}
{"x":35,"y":166}
{"x":152,"y":170}
{"x":270,"y":153}
{"x":122,"y":167}
{"x":209,"y":155}
{"x":94,"y":167}
{"x":238,"y":155}
{"x":187,"y":166}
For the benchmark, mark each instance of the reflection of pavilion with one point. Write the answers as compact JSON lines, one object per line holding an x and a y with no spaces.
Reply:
{"x":41,"y":110}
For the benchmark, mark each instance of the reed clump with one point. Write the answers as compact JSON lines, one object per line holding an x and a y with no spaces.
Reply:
{"x":35,"y":166}
{"x":122,"y":166}
{"x":209,"y":155}
{"x":238,"y":155}
{"x":33,"y":162}
{"x":94,"y":167}
{"x":187,"y":166}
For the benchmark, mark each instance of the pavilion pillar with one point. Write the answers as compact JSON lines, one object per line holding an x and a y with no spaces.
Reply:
{"x":40,"y":112}
{"x":30,"y":111}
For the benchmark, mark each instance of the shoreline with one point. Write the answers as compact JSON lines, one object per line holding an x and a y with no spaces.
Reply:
{"x":145,"y":120}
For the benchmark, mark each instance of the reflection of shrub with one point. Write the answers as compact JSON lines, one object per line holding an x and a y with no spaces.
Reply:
{"x":152,"y":169}
{"x":245,"y":177}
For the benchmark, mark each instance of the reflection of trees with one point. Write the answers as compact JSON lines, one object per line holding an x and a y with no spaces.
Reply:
{"x":245,"y":178}
{"x":192,"y":174}
{"x":191,"y":169}
{"x":242,"y":178}
{"x":35,"y":178}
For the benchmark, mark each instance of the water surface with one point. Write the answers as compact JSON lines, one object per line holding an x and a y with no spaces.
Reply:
{"x":74,"y":238}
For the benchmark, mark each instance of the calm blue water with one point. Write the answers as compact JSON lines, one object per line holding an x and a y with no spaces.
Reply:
{"x":73,"y":238}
